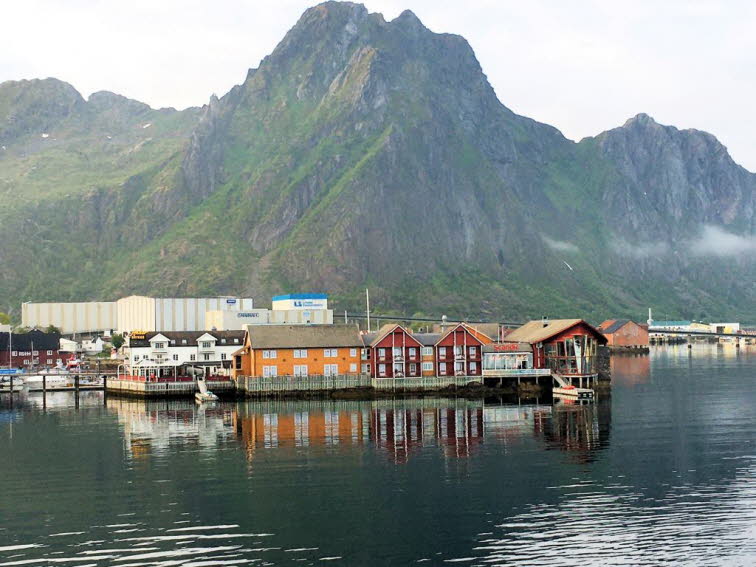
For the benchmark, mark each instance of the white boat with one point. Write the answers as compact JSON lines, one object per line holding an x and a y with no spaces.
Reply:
{"x":57,"y":381}
{"x":5,"y":384}
{"x":204,"y":395}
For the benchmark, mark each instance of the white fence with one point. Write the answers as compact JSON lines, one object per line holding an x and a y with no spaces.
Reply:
{"x":273,"y":384}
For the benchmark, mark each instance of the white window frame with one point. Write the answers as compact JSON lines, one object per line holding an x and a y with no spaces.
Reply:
{"x":413,"y":352}
{"x":223,"y":356}
{"x":382,"y":370}
{"x":207,"y":357}
{"x":473,"y":351}
{"x":300,"y":353}
{"x":352,"y":352}
{"x":331,"y":369}
{"x":193,"y":357}
{"x":442,"y":352}
{"x":365,"y":368}
{"x":301,"y":370}
{"x":442,"y":369}
{"x":352,"y":367}
{"x":381,"y":353}
{"x":473,"y":366}
{"x":427,"y":367}
{"x":427,"y":351}
{"x":270,"y":371}
{"x":330,"y":352}
{"x":175,"y":357}
{"x":49,"y":353}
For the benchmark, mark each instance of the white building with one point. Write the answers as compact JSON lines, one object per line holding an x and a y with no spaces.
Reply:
{"x":204,"y":351}
{"x":92,"y":346}
{"x":139,"y":313}
{"x":70,"y":318}
{"x":293,"y":309}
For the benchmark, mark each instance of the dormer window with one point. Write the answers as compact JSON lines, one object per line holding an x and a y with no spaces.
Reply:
{"x":173,"y":341}
{"x":207,"y":344}
{"x":223,"y":341}
{"x":183,"y":341}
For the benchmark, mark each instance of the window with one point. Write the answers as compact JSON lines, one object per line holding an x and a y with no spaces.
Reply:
{"x":352,"y":352}
{"x":223,"y":341}
{"x":413,"y":352}
{"x":365,"y":368}
{"x":365,"y":353}
{"x":427,"y":351}
{"x":236,"y":341}
{"x":413,"y":369}
{"x":175,"y":357}
{"x":159,"y":345}
{"x":270,"y":371}
{"x":26,"y":361}
{"x":442,"y":352}
{"x":427,"y":367}
{"x":223,"y":356}
{"x":442,"y":368}
{"x":300,"y":370}
{"x":473,"y":351}
{"x":381,"y":370}
{"x":173,"y":341}
{"x":207,"y":344}
{"x":330,"y":369}
{"x":458,"y":351}
{"x":397,"y":351}
{"x":382,"y":353}
{"x":49,"y":361}
{"x":300,"y":353}
{"x":49,"y":353}
{"x":473,"y":367}
{"x":269,"y":354}
{"x":192,"y":357}
{"x":353,"y":367}
{"x":183,"y":341}
{"x":330,"y":352}
{"x":207,"y":356}
{"x":238,"y":362}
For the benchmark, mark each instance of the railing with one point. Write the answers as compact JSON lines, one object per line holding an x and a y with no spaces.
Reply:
{"x":252,"y":384}
{"x":514,"y":372}
{"x":423,"y":382}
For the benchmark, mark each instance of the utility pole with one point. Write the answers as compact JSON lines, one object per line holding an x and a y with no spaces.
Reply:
{"x":367,"y":307}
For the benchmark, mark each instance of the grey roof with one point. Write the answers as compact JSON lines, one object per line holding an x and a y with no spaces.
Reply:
{"x":304,"y":336}
{"x":427,"y":339}
{"x":615,"y":326}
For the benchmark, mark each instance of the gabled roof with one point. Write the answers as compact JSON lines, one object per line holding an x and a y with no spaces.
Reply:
{"x":158,"y":337}
{"x":387,"y":329}
{"x":613,"y":325}
{"x":206,"y":337}
{"x":478,"y":335}
{"x":539,"y":331}
{"x":304,"y":336}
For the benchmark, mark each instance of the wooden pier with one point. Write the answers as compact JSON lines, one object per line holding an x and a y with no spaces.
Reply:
{"x":165,"y":389}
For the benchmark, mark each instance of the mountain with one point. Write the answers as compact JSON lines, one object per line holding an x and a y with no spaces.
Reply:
{"x":362,"y":153}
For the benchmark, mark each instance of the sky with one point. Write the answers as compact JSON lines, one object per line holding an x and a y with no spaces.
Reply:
{"x":584,"y":66}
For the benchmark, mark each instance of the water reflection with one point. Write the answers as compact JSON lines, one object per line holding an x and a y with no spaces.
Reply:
{"x":398,"y":429}
{"x":630,"y":369}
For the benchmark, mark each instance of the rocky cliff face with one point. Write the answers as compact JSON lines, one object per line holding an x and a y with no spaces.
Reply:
{"x":366,"y":152}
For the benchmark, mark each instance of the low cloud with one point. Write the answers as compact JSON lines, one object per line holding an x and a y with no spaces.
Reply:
{"x":715,"y":241}
{"x":639,"y":250}
{"x":559,"y":245}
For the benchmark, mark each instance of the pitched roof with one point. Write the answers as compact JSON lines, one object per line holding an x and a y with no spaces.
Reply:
{"x":388,"y":328}
{"x":478,"y":335}
{"x":304,"y":336}
{"x":24,"y":341}
{"x":427,"y":339}
{"x":613,"y":325}
{"x":538,"y":331}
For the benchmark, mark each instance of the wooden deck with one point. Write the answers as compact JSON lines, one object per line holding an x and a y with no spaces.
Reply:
{"x":165,"y":389}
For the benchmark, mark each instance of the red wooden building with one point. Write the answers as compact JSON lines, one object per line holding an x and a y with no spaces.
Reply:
{"x":459,"y":351}
{"x":566,"y":346}
{"x":32,"y":349}
{"x":624,"y":333}
{"x":394,"y":353}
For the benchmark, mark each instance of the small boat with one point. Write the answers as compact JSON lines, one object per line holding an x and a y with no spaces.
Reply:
{"x":573,"y":392}
{"x":47,"y":381}
{"x":5,"y":384}
{"x":204,"y":395}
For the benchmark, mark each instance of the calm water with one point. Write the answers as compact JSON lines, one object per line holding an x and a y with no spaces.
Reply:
{"x":661,"y":472}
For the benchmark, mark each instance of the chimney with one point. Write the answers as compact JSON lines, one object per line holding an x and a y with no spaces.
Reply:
{"x":545,"y":321}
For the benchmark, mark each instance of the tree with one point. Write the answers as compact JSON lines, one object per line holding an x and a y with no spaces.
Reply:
{"x":5,"y":319}
{"x":53,"y":330}
{"x":117,"y":340}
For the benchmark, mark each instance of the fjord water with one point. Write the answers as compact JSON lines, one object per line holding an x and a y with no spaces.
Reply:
{"x":662,"y":471}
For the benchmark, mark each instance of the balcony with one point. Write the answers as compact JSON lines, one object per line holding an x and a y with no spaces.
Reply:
{"x":398,"y":358}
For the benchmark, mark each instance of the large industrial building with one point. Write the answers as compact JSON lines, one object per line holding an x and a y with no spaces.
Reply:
{"x":176,"y":314}
{"x":131,"y":313}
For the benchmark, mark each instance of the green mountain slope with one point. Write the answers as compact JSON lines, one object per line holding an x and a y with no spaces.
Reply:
{"x":369,"y":153}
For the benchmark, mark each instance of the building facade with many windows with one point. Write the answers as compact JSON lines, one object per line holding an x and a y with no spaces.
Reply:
{"x":213,"y":350}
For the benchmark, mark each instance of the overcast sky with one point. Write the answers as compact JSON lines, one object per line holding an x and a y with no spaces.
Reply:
{"x":583,"y":66}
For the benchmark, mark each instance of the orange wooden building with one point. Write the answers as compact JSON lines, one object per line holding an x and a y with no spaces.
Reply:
{"x":624,"y":333}
{"x":299,"y":350}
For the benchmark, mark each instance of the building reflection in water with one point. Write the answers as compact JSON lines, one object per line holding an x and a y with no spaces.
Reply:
{"x":397,"y":428}
{"x":630,"y":369}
